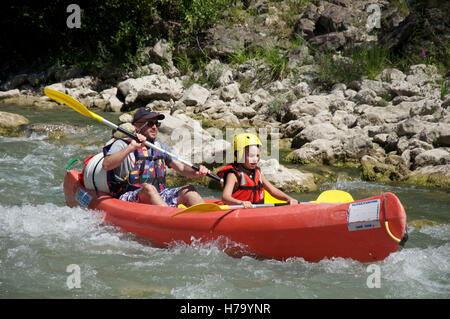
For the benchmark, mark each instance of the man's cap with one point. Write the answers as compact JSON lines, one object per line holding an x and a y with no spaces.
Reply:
{"x":146,"y":113}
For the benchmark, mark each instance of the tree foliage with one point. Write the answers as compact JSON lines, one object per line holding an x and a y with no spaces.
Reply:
{"x":36,"y":32}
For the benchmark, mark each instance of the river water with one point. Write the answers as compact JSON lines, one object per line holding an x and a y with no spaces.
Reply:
{"x":43,"y":243}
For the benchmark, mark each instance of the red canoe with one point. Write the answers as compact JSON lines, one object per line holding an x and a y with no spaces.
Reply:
{"x":365,"y":230}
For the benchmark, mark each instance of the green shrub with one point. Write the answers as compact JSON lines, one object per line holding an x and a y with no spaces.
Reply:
{"x":364,"y":61}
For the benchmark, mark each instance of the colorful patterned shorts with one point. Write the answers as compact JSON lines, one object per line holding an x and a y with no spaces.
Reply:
{"x":169,"y":195}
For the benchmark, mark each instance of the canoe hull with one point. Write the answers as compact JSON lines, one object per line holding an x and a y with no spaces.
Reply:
{"x":312,"y":231}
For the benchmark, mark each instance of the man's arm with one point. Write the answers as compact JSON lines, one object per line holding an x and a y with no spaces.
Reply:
{"x":113,"y":160}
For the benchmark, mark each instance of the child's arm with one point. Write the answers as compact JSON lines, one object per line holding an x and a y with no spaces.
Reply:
{"x":230,"y":183}
{"x":275,"y":192}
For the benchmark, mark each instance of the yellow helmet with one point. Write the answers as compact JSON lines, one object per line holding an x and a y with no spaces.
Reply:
{"x":241,"y":141}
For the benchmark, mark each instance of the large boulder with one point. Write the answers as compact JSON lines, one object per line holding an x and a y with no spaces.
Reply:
{"x":437,"y":176}
{"x":392,"y":168}
{"x":314,"y":132}
{"x":437,"y":156}
{"x":319,"y":151}
{"x":12,"y":124}
{"x":311,"y":105}
{"x":195,"y":95}
{"x":149,"y":88}
{"x":287,"y":179}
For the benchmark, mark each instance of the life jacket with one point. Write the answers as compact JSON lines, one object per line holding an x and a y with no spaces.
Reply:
{"x":248,"y":189}
{"x":149,"y":167}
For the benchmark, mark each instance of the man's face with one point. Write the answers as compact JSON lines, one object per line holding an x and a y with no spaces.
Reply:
{"x":148,"y":128}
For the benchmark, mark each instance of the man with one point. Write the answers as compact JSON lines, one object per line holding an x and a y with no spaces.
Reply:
{"x":141,"y":172}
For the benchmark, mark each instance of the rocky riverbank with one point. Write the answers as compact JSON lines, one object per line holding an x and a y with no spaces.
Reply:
{"x":395,"y":125}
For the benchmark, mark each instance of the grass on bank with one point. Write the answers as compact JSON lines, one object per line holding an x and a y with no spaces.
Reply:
{"x":354,"y":63}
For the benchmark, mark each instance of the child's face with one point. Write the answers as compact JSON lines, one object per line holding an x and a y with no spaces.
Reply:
{"x":252,"y":154}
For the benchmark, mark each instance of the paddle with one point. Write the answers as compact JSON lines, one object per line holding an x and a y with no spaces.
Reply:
{"x":80,"y":108}
{"x":329,"y":196}
{"x":211,"y":207}
{"x":334,"y":196}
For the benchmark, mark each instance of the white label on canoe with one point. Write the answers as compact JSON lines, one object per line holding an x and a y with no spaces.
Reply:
{"x":83,"y":198}
{"x":364,"y":215}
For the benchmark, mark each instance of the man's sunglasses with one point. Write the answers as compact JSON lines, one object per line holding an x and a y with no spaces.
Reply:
{"x":150,"y":124}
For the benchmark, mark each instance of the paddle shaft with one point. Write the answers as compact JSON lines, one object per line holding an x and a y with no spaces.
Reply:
{"x":148,"y":144}
{"x":258,"y":205}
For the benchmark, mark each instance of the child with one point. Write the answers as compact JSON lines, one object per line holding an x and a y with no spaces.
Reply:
{"x":246,"y":185}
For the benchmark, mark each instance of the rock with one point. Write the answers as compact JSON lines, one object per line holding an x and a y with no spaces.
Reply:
{"x":420,"y":80}
{"x":305,"y":27}
{"x":329,"y":41}
{"x":319,"y":151}
{"x":149,"y":88}
{"x":15,"y":82}
{"x":355,"y":145}
{"x":436,"y":133}
{"x":54,"y":130}
{"x":231,"y":92}
{"x":399,"y":35}
{"x":126,"y":118}
{"x":190,"y":141}
{"x":126,"y":126}
{"x":381,"y":139}
{"x":195,"y":95}
{"x":218,"y":74}
{"x":367,"y":96}
{"x":223,"y":39}
{"x":151,"y":68}
{"x":341,"y":104}
{"x":311,"y":105}
{"x":421,"y":74}
{"x":58,"y":87}
{"x":343,"y":120}
{"x":380,"y":88}
{"x":446,"y":102}
{"x":302,"y":89}
{"x":298,"y":57}
{"x":391,"y":75}
{"x":392,"y":169}
{"x":162,"y":51}
{"x":424,"y":107}
{"x":409,"y":127}
{"x":335,"y":17}
{"x":109,"y":101}
{"x":289,"y":180}
{"x":381,"y":115}
{"x":294,"y":127}
{"x":404,"y":88}
{"x":438,"y":156}
{"x":12,"y":124}
{"x":437,"y":176}
{"x":9,"y":94}
{"x":241,"y":111}
{"x":260,"y":96}
{"x":77,"y":83}
{"x":314,"y":132}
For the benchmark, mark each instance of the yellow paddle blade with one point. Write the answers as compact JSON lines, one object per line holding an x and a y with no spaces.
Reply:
{"x":334,"y":196}
{"x":202,"y":208}
{"x":269,"y":199}
{"x":70,"y":101}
